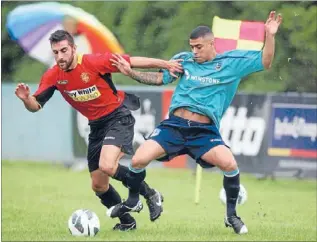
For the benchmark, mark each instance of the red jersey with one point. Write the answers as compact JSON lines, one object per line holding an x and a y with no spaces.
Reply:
{"x":84,"y":88}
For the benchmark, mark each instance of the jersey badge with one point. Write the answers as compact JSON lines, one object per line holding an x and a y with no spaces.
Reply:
{"x":218,"y":66}
{"x":84,"y":77}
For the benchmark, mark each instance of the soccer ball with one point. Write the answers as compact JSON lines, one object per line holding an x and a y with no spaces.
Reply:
{"x":242,"y":197}
{"x":83,"y":222}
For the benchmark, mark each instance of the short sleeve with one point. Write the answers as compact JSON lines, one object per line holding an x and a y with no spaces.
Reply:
{"x":167,"y":78}
{"x":102,"y":62}
{"x":46,"y":87}
{"x":246,"y":62}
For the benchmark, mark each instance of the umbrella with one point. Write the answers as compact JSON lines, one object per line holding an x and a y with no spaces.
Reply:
{"x":30,"y":25}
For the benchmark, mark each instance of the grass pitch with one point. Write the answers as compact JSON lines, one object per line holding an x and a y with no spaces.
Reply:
{"x":38,"y":198}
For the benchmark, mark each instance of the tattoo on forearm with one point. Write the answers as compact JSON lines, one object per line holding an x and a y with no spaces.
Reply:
{"x":148,"y":78}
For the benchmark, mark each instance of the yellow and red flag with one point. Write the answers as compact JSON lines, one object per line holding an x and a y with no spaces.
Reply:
{"x":237,"y":34}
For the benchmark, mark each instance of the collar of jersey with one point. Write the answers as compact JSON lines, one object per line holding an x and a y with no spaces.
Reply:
{"x":79,"y":58}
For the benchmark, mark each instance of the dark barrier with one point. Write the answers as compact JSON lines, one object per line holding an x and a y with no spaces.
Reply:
{"x":268,"y":134}
{"x":147,"y":117}
{"x":244,"y":128}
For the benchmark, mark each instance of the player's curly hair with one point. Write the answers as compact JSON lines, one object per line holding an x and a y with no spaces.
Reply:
{"x":60,"y":35}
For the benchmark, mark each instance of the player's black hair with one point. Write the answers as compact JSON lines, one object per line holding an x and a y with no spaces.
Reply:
{"x":60,"y":35}
{"x":200,"y":31}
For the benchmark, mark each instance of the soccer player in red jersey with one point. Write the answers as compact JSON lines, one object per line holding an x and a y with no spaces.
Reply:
{"x":85,"y":83}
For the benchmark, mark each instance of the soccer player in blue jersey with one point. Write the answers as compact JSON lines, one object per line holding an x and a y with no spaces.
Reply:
{"x":203,"y":94}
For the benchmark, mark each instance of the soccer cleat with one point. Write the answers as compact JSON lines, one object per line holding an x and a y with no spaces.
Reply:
{"x":120,"y":209}
{"x":236,"y":223}
{"x":125,"y":227}
{"x":155,"y":205}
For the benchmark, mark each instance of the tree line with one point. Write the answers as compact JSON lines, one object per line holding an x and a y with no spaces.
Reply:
{"x":161,"y":29}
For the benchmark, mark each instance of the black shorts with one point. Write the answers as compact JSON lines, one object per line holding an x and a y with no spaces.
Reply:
{"x":116,"y":129}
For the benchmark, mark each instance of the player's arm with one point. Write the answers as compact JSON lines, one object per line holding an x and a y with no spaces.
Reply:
{"x":46,"y":89}
{"x":147,"y":78}
{"x":22,"y":91}
{"x":107,"y":63}
{"x":271,"y":27}
{"x":144,"y":62}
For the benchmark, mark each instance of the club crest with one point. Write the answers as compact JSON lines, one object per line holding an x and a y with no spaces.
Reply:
{"x":84,"y":77}
{"x":218,"y":66}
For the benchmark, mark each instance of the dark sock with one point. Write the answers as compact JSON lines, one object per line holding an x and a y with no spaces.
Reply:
{"x":111,"y":198}
{"x":121,"y":175}
{"x":134,"y":183}
{"x":232,"y":187}
{"x":146,"y":191}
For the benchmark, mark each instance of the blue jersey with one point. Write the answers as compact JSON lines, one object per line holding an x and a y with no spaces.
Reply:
{"x":208,"y":88}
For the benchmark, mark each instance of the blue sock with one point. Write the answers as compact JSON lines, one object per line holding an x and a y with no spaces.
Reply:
{"x":231,"y":184}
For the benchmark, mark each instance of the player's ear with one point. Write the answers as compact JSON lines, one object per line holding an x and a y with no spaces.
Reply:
{"x":212,"y":41}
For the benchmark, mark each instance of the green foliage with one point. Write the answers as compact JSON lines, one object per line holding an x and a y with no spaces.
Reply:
{"x":161,"y":29}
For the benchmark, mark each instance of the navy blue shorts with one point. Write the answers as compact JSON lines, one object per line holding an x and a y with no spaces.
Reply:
{"x":180,"y":136}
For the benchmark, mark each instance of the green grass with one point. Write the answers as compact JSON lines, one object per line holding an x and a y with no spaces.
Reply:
{"x":37,"y":200}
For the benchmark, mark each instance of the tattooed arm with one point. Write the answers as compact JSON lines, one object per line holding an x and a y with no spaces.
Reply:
{"x":148,"y":78}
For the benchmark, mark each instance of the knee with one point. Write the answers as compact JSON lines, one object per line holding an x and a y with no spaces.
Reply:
{"x":230,"y":165}
{"x":98,"y":187}
{"x":138,"y":162}
{"x":109,"y":168}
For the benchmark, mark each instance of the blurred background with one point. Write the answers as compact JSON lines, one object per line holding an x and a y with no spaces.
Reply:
{"x":271,"y":125}
{"x":264,"y":129}
{"x":161,"y":29}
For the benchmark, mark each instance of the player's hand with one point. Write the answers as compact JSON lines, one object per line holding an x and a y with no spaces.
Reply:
{"x":22,"y":91}
{"x":272,"y":23}
{"x":174,"y":66}
{"x":123,"y":66}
